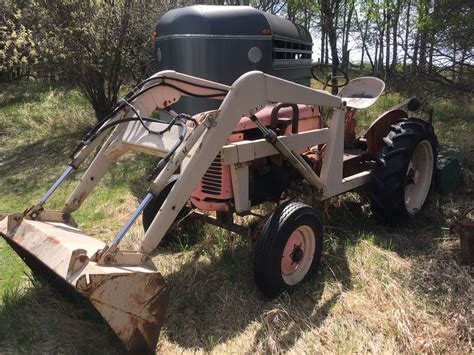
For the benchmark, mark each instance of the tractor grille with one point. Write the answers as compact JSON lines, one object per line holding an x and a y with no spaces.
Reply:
{"x":212,"y":179}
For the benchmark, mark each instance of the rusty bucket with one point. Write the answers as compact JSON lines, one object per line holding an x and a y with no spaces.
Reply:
{"x":128,"y":292}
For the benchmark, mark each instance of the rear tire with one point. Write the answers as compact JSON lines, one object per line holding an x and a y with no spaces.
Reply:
{"x":403,"y":171}
{"x":289,"y":250}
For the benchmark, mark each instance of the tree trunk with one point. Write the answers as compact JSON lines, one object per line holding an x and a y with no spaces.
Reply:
{"x":345,"y":52}
{"x":381,"y":41}
{"x":327,"y":10}
{"x":430,"y":58}
{"x":461,"y":65}
{"x":407,"y":32}
{"x":326,"y":60}
{"x":343,"y":27}
{"x":363,"y":44}
{"x":422,"y":13}
{"x":323,"y":40}
{"x":453,"y":67}
{"x":365,"y":49}
{"x":376,"y":58}
{"x":387,"y":38}
{"x":415,"y":53}
{"x":395,"y":37}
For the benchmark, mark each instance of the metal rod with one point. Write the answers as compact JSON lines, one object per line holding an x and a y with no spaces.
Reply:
{"x":53,"y":187}
{"x":132,"y":218}
{"x":295,"y":159}
{"x":231,"y":227}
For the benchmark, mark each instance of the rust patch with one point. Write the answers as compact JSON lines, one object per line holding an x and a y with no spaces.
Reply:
{"x":19,"y":238}
{"x":80,"y":199}
{"x":380,"y":128}
{"x":51,"y":240}
{"x":145,"y":309}
{"x":82,"y":258}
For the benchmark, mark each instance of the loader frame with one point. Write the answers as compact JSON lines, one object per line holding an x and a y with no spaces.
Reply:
{"x":250,"y":93}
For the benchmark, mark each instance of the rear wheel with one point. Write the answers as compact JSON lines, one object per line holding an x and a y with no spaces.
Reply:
{"x":403,"y":172}
{"x":289,"y":249}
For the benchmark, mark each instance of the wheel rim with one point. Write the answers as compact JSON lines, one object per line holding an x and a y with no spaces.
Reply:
{"x":298,"y":254}
{"x":418,"y":177}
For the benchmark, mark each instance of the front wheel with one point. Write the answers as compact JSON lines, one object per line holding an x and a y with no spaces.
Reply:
{"x":155,"y":204}
{"x":403,"y":171}
{"x":289,"y":249}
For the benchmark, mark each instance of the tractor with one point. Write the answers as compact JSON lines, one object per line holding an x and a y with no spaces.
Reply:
{"x":264,"y":134}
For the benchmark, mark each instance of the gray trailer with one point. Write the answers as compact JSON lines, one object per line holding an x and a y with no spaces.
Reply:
{"x":220,"y":43}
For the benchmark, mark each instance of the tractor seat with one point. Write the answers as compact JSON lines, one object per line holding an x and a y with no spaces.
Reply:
{"x":362,"y":92}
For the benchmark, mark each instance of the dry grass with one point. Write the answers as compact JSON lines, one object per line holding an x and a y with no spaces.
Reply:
{"x":379,"y":290}
{"x":366,"y":299}
{"x":36,"y":319}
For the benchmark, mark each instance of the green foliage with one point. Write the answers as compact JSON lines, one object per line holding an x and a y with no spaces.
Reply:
{"x":17,"y":42}
{"x":95,"y":44}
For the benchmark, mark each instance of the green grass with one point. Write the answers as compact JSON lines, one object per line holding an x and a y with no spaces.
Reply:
{"x":13,"y":271}
{"x":41,"y":124}
{"x":379,"y":289}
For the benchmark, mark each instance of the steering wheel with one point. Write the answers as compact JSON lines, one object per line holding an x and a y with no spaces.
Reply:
{"x":328,"y":75}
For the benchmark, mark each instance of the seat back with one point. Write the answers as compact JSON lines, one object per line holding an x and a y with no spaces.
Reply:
{"x":362,"y":92}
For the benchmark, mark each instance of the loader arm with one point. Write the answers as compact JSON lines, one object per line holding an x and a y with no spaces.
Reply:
{"x":160,"y":91}
{"x":249,"y":94}
{"x":126,"y":289}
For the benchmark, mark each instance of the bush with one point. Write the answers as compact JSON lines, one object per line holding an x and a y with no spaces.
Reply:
{"x":95,"y":44}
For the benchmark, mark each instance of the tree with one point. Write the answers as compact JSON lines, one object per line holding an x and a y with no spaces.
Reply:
{"x":98,"y":45}
{"x":17,"y":42}
{"x":95,"y":44}
{"x":328,"y":19}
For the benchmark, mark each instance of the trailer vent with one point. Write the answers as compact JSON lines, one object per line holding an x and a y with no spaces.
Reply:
{"x":289,"y":50}
{"x":212,"y":179}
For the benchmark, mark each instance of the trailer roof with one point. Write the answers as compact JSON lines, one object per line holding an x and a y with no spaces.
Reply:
{"x":228,"y":21}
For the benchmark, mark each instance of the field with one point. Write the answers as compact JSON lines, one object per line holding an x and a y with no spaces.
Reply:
{"x":379,"y":290}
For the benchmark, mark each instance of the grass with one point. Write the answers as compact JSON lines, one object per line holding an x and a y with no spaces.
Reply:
{"x":379,"y":290}
{"x":12,"y":269}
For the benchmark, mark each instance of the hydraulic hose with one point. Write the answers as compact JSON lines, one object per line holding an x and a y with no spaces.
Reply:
{"x":132,"y":95}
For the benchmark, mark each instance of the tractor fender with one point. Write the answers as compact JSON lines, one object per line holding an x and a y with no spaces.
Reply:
{"x":380,"y":128}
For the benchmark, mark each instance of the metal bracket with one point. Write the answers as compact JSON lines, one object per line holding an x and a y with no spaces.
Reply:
{"x":49,"y":216}
{"x":210,"y":120}
{"x":113,"y":256}
{"x":79,"y":259}
{"x":13,"y":222}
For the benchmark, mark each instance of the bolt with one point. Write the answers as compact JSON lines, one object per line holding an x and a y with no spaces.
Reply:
{"x":109,"y":259}
{"x":82,"y":258}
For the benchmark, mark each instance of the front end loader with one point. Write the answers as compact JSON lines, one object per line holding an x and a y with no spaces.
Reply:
{"x":266,"y":134}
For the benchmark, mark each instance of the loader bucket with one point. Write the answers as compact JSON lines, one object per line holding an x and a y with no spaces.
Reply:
{"x":132,"y":299}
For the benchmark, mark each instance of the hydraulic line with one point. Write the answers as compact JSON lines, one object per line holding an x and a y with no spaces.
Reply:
{"x":130,"y":96}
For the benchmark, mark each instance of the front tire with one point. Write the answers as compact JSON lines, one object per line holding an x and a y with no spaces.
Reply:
{"x":289,"y":250}
{"x":403,"y":171}
{"x":155,"y":204}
